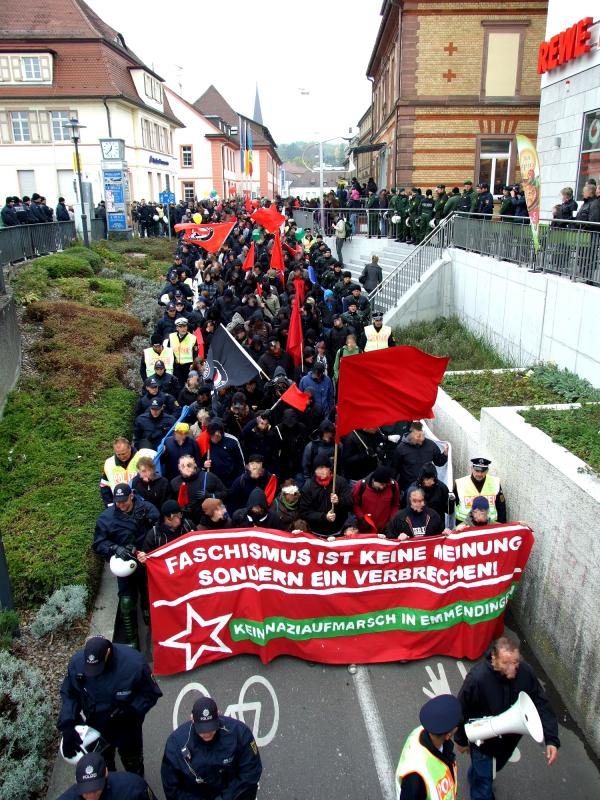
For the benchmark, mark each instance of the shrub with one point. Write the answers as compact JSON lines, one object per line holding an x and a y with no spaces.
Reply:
{"x":62,"y":265}
{"x":98,"y":292}
{"x":64,"y":606}
{"x":25,"y":711}
{"x":92,"y":258}
{"x":9,"y":625}
{"x":574,"y":429}
{"x":31,"y":283}
{"x":567,"y":384}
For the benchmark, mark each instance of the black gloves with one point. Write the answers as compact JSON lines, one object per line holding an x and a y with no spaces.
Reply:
{"x":71,"y":742}
{"x":126,"y":553}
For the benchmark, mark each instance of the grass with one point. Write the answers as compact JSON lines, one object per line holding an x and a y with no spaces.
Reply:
{"x":98,"y":292}
{"x":446,"y":336}
{"x":474,"y":392}
{"x":157,"y":256}
{"x":576,"y":429}
{"x":51,"y":453}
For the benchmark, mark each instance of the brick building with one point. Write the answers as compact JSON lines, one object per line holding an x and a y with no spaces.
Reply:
{"x":453,"y":82}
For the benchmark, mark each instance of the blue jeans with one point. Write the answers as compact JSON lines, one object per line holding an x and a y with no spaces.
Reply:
{"x":480,"y":775}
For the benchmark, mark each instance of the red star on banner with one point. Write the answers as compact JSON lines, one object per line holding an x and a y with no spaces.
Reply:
{"x":196,"y":639}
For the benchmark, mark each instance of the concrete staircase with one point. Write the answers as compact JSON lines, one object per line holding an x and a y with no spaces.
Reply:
{"x":358,"y":252}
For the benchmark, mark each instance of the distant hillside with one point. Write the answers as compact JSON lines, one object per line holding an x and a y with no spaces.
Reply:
{"x":333,"y":153}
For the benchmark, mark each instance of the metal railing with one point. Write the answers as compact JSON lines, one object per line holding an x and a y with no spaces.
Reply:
{"x":21,"y":242}
{"x":411,"y":268}
{"x":365,"y":222}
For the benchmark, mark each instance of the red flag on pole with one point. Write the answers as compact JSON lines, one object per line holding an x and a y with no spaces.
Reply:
{"x":249,"y":260}
{"x":300,"y":288}
{"x":248,"y":205}
{"x":295,"y":398}
{"x":200,"y":340}
{"x":270,"y":219}
{"x":294,"y":340}
{"x":210,"y":237}
{"x":271,"y":489}
{"x":384,"y":386}
{"x":277,"y":255}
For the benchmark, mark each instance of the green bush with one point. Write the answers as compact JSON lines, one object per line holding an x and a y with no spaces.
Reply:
{"x":9,"y":625}
{"x":484,"y":389}
{"x":31,"y":283}
{"x":62,"y":265}
{"x":576,"y":429}
{"x":569,"y":386}
{"x":98,"y":292}
{"x":65,"y":605}
{"x":25,"y":728}
{"x":93,"y":259}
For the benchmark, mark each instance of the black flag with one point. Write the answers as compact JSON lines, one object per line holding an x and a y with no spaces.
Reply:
{"x":227,"y":363}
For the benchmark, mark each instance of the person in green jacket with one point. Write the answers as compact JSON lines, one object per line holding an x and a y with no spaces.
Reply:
{"x":351,"y":348}
{"x":440,"y":201}
{"x":373,"y":215}
{"x":452,"y":202}
{"x":506,"y":205}
{"x":414,"y":215}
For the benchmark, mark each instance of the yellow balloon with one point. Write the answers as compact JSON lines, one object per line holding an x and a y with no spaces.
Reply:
{"x":197,"y":218}
{"x":205,"y":194}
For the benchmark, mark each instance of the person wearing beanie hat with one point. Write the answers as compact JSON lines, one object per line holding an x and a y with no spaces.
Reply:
{"x":478,"y":516}
{"x":375,"y":500}
{"x":436,"y":492}
{"x":479,"y":483}
{"x":156,"y":352}
{"x":427,"y":765}
{"x":325,"y":504}
{"x":226,"y":459}
{"x":256,"y":513}
{"x":214,"y":515}
{"x":172,"y":524}
{"x":415,"y":521}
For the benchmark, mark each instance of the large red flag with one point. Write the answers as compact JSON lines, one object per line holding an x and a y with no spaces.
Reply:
{"x":300,"y":288}
{"x":270,"y":219}
{"x":294,"y":340}
{"x":294,"y":397}
{"x":249,"y":260}
{"x":200,"y":340}
{"x":384,"y":386}
{"x":248,"y":205}
{"x":277,"y":255}
{"x":209,"y":237}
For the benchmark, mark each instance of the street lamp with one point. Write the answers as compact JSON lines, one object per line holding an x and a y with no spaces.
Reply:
{"x":75,"y":127}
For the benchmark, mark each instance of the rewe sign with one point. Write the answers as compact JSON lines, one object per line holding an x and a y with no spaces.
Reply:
{"x":565,"y":46}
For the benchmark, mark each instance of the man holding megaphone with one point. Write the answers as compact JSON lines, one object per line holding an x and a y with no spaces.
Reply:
{"x":503,"y":699}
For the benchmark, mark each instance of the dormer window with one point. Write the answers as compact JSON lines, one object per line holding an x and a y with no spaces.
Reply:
{"x":152,"y":88}
{"x":25,"y":68}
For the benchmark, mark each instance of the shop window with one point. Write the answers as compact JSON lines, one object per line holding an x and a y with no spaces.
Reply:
{"x":494,"y":163}
{"x":589,"y":159}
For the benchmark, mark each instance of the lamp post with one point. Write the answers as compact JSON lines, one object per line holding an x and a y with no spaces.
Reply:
{"x":75,"y":127}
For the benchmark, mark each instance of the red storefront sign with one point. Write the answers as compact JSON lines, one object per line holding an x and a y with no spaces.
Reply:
{"x":565,"y":46}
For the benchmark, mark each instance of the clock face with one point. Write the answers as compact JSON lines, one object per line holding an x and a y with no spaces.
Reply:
{"x":111,"y":149}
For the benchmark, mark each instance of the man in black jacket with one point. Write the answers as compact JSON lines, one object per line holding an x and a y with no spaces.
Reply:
{"x":153,"y":425}
{"x":412,"y":452}
{"x":8,"y":213}
{"x":490,"y":688}
{"x":485,"y":200}
{"x":323,"y":505}
{"x":436,"y":492}
{"x":62,"y":214}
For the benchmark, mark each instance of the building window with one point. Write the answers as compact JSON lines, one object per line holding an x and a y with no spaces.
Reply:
{"x":150,"y":186}
{"x":186,"y":155}
{"x":60,"y":120}
{"x":152,"y":88}
{"x":32,"y":70}
{"x":589,"y":158}
{"x":22,"y":68}
{"x":26,"y":179}
{"x":188,"y":192}
{"x":502,"y":61}
{"x":20,"y":126}
{"x":167,"y":183}
{"x":495,"y":156}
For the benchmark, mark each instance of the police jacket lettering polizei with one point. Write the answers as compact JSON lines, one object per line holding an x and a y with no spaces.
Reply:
{"x":119,"y":786}
{"x":125,"y":690}
{"x":192,"y":768}
{"x":115,"y":529}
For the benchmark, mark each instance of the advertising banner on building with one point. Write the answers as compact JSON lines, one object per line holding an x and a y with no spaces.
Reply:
{"x":363,"y":599}
{"x":529,"y":165}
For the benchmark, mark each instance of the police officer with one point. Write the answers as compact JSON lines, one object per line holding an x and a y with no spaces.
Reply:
{"x":111,"y":687}
{"x":152,"y":426}
{"x":485,"y":200}
{"x":440,"y":201}
{"x":93,"y":780}
{"x":121,"y":467}
{"x":120,"y":531}
{"x":392,"y":212}
{"x":427,"y":209}
{"x":413,"y":220}
{"x":378,"y":336}
{"x":506,"y":206}
{"x":156,"y":352}
{"x":185,"y":349}
{"x":468,"y":198}
{"x":427,"y":766}
{"x":210,"y":757}
{"x":402,"y":211}
{"x":479,"y":483}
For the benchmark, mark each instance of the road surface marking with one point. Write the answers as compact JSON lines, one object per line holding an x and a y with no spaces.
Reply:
{"x":375,"y":732}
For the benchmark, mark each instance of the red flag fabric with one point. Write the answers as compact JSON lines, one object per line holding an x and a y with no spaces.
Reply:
{"x":277,"y":255}
{"x":200,"y":340}
{"x":271,"y":489}
{"x":203,"y":442}
{"x":300,"y":288}
{"x":218,"y":594}
{"x":291,"y":250}
{"x":384,"y":386}
{"x":209,"y":237}
{"x":259,"y":289}
{"x":270,"y":219}
{"x":248,"y":206}
{"x":294,"y":340}
{"x":295,"y":398}
{"x":182,"y":496}
{"x":249,"y":260}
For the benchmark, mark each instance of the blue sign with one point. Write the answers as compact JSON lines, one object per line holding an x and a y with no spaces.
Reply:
{"x":161,"y":161}
{"x":116,"y":222}
{"x":166,"y":197}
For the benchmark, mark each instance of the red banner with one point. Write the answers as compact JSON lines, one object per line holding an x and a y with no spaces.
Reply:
{"x":354,"y":600}
{"x":210,"y":237}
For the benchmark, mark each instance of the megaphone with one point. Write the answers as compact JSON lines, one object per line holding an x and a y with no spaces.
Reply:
{"x":522,"y":717}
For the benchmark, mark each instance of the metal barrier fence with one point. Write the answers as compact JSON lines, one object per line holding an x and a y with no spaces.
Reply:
{"x":21,"y":242}
{"x":375,"y":223}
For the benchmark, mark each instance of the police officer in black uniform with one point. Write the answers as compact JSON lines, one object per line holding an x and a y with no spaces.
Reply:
{"x":92,"y":776}
{"x":210,"y":757}
{"x":111,"y":687}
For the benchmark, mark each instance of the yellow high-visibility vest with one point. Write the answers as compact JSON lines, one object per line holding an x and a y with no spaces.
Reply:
{"x":466,"y":492}
{"x":115,"y":473}
{"x":377,"y":340}
{"x":183,"y":349}
{"x":151,"y":357}
{"x":439,"y":781}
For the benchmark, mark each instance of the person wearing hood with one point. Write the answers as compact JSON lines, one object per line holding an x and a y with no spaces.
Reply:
{"x":364,"y":450}
{"x":287,"y":505}
{"x":276,"y":357}
{"x":171,"y":525}
{"x":256,"y":513}
{"x":255,"y":476}
{"x":436,"y":492}
{"x":376,"y":500}
{"x":320,"y":449}
{"x":192,"y":486}
{"x":325,"y":505}
{"x":178,"y":445}
{"x":328,"y":308}
{"x":415,"y":521}
{"x":322,"y":389}
{"x":259,"y":436}
{"x":292,"y":435}
{"x":226,"y":459}
{"x":412,"y":452}
{"x":214,"y":516}
{"x":152,"y":389}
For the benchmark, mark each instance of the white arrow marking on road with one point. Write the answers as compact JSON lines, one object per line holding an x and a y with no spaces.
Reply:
{"x":375,"y":732}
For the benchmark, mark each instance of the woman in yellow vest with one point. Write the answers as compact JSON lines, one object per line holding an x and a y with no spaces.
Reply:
{"x":427,"y":766}
{"x":185,"y":349}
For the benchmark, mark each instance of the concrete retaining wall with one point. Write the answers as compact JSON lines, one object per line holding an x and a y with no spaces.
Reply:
{"x":557,"y":605}
{"x":428,"y":299}
{"x":10,"y":336}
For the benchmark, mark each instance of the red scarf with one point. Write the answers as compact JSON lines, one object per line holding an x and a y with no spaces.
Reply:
{"x":323,"y":481}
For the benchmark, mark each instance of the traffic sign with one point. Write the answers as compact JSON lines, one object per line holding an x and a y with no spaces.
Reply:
{"x":166,"y":197}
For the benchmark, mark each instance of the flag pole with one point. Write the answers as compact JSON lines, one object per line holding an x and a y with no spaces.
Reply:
{"x":246,"y":354}
{"x":335,"y":460}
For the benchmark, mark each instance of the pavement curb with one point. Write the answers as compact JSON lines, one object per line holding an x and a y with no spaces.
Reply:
{"x":102,"y":623}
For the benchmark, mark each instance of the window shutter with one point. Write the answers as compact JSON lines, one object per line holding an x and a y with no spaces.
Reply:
{"x":45,"y":68}
{"x":5,"y":134}
{"x":34,"y":128}
{"x":15,"y":62}
{"x":4,"y":69}
{"x":44,"y":118}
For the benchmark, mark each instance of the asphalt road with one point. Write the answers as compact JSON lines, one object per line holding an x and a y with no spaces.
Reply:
{"x":326,"y":733}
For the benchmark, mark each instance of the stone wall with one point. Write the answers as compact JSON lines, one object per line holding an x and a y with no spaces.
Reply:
{"x":10,"y":336}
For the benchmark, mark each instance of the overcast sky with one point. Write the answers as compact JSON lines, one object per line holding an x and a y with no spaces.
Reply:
{"x":320,"y":45}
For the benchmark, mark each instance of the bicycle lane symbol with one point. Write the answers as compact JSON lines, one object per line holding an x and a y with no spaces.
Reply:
{"x":238,"y":710}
